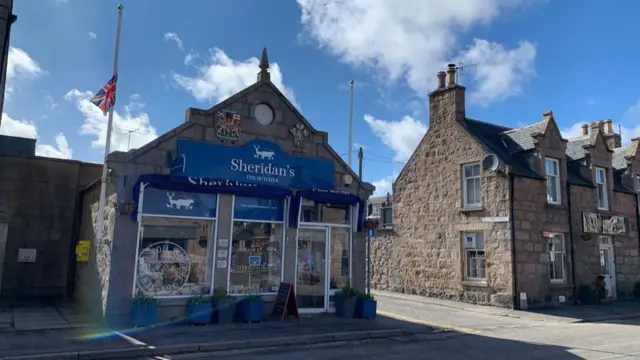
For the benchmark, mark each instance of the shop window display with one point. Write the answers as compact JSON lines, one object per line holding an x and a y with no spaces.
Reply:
{"x":256,"y":257}
{"x":316,"y":212}
{"x":173,"y":258}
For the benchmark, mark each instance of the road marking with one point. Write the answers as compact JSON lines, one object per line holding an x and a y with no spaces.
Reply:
{"x":427,"y":323}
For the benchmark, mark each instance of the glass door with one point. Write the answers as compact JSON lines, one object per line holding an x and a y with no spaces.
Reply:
{"x":311,"y":274}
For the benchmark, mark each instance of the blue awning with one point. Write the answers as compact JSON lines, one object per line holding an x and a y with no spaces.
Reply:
{"x":201,"y":185}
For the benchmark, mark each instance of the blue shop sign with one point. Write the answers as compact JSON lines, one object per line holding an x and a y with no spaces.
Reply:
{"x":250,"y":208}
{"x":178,"y":203}
{"x":258,"y":162}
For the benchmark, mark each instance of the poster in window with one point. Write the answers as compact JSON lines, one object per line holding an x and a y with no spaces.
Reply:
{"x":163,"y":269}
{"x":469,"y":241}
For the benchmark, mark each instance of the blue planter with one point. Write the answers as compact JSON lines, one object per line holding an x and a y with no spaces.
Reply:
{"x":252,"y":311}
{"x":143,"y":314}
{"x":199,"y":313}
{"x":366,"y":309}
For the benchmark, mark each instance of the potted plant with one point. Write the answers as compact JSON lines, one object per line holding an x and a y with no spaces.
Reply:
{"x":345,"y":301}
{"x":144,"y":310}
{"x":366,"y":307}
{"x":199,"y":309}
{"x":252,"y":308}
{"x":224,"y":306}
{"x":602,"y":287}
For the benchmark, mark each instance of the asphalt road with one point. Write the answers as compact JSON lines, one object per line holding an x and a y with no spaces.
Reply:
{"x":476,"y":336}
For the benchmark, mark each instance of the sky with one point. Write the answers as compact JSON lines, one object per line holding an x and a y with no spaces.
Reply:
{"x":526,"y":57}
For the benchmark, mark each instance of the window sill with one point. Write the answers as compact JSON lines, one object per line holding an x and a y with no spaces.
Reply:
{"x":559,"y":284}
{"x":471,"y":208}
{"x":554,"y":205}
{"x":476,"y":283}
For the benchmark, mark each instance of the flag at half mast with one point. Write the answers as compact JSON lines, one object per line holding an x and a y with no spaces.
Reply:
{"x":105,"y":98}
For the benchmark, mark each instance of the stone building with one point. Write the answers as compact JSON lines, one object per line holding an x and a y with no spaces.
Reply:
{"x":7,"y":18}
{"x":240,"y":197}
{"x":492,"y":215}
{"x":39,"y":203}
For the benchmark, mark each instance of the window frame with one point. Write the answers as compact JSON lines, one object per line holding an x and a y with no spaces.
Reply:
{"x":552,"y":254}
{"x":465,"y":200}
{"x":284,"y":223}
{"x":556,"y":179}
{"x":638,"y":192}
{"x":466,"y":252}
{"x":605,"y":187}
{"x":211,"y":248}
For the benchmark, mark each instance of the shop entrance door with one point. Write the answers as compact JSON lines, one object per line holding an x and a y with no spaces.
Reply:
{"x":608,"y":266}
{"x":312,"y":269}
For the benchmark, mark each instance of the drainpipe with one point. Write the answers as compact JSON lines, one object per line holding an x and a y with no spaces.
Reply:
{"x":572,"y":257}
{"x":514,"y":279}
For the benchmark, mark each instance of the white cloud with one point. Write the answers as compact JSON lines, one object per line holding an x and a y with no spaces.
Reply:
{"x":220,"y":77}
{"x":628,"y":125}
{"x":27,"y":129}
{"x":171,"y":36}
{"x":412,"y":39}
{"x":400,"y":136}
{"x":92,"y":35}
{"x":20,"y":66}
{"x":499,"y":73}
{"x":61,"y":1}
{"x":384,"y":185}
{"x":131,"y":129}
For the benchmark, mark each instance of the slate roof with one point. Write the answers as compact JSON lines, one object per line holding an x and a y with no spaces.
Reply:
{"x":513,"y":147}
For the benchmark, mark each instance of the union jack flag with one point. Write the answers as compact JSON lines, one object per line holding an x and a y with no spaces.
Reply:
{"x":105,"y":98}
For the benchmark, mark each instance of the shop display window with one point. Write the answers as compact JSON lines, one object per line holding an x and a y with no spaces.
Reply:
{"x":317,"y":212}
{"x":256,"y":257}
{"x":173,"y":257}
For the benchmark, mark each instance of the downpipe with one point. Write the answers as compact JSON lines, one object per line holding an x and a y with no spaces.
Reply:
{"x":512,"y":221}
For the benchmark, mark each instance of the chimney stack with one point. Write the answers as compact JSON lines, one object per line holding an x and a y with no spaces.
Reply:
{"x":609,"y":124}
{"x":601,"y":126}
{"x":452,"y":74}
{"x":442,"y":78}
{"x":585,"y":129}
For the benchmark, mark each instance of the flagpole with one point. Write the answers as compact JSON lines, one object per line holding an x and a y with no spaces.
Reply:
{"x":107,"y":145}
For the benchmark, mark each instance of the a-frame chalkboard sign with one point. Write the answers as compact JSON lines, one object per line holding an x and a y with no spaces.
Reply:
{"x":286,"y":303}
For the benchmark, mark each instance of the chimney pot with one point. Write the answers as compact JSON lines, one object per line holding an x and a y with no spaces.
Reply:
{"x":601,"y":125}
{"x":585,"y":129}
{"x":442,"y":77}
{"x":452,"y":74}
{"x":609,"y":124}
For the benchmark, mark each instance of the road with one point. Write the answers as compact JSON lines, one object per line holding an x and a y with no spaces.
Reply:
{"x":476,"y":336}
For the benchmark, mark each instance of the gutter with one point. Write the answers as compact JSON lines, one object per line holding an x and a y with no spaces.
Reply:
{"x":514,"y":278}
{"x":572,"y":257}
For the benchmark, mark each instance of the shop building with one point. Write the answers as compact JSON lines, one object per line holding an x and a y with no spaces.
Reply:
{"x":241,"y":197}
{"x":511,"y":217}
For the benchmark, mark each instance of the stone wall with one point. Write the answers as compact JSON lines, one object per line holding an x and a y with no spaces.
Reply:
{"x":39,"y":197}
{"x":533,"y":216}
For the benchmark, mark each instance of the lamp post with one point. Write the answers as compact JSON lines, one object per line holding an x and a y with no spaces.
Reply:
{"x":370,"y":224}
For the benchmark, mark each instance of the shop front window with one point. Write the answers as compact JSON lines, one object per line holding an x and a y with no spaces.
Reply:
{"x":257,"y":246}
{"x":317,"y":212}
{"x":173,"y":257}
{"x":339,"y":272}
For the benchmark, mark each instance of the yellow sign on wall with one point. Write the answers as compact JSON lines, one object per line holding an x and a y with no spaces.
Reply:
{"x":82,"y":251}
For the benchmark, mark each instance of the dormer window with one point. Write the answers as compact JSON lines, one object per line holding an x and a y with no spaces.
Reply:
{"x":601,"y":183}
{"x":552,"y":169}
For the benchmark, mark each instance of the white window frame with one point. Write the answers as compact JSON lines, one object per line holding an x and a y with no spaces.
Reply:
{"x":553,"y":252}
{"x":638,"y":190}
{"x":555,"y":178}
{"x":467,"y":250}
{"x":465,"y":201}
{"x":605,"y":189}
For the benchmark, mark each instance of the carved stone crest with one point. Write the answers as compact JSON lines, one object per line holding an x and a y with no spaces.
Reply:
{"x":300,"y":135}
{"x":228,"y":128}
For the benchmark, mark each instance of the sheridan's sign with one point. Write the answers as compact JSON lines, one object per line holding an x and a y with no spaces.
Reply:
{"x":258,"y":162}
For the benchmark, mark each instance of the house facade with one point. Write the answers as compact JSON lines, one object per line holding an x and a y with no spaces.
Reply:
{"x":511,"y":217}
{"x":240,"y":197}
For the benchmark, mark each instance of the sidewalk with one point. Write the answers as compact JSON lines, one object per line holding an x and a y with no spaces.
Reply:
{"x":91,"y":343}
{"x":570,"y":313}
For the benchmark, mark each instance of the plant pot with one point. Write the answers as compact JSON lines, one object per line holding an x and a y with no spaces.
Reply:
{"x":144,"y":314}
{"x":225,"y":311}
{"x":252,"y":311}
{"x":199,"y":313}
{"x":366,"y":309}
{"x":345,"y":305}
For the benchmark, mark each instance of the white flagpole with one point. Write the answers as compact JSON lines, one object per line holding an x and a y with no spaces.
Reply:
{"x":107,"y":145}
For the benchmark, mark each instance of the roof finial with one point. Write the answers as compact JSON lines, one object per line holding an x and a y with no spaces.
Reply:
{"x":264,"y":75}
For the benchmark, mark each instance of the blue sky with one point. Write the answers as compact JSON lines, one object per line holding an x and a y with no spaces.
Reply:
{"x":530,"y":56}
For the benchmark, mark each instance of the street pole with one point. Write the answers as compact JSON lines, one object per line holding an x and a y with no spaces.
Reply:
{"x":351,"y":83}
{"x":368,"y":263}
{"x":107,"y":145}
{"x":360,"y":157}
